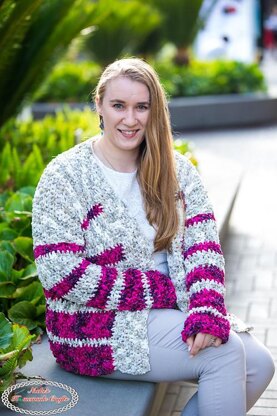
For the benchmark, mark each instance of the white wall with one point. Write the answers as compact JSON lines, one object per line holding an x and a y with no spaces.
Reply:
{"x":240,"y":27}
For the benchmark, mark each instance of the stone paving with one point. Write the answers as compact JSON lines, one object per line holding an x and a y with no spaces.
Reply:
{"x":250,"y":247}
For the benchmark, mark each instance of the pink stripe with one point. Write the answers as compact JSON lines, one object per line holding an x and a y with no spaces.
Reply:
{"x":162,"y":290}
{"x":59,"y":247}
{"x":111,"y":256}
{"x":204,"y":273}
{"x":85,"y":360}
{"x":206,"y":323}
{"x":209,"y":298}
{"x":100,"y":297}
{"x":132,"y":296}
{"x":93,"y":213}
{"x":199,"y":218}
{"x":81,"y":325}
{"x":208,"y":245}
{"x":68,"y":282}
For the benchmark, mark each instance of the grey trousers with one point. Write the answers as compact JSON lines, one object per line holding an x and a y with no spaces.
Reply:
{"x":230,"y":377}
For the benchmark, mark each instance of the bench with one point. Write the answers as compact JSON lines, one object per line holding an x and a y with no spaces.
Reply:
{"x":99,"y":397}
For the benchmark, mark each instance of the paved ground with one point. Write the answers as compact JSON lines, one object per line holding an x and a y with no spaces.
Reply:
{"x":250,"y":248}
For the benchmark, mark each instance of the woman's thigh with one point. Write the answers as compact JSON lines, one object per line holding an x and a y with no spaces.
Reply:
{"x":169,"y":356}
{"x":167,"y":351}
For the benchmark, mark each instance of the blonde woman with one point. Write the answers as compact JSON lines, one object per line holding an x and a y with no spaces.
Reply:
{"x":128,"y":253}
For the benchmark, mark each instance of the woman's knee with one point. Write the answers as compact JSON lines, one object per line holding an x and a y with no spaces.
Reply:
{"x":259,"y":360}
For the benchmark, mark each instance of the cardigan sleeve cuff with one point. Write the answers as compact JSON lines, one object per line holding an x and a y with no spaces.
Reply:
{"x":208,"y":324}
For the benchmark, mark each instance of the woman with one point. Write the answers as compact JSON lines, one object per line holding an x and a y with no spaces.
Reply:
{"x":128,"y":253}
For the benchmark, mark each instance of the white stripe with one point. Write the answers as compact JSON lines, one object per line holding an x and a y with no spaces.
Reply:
{"x":202,"y":258}
{"x":86,"y":286}
{"x":114,"y":297}
{"x":75,"y":342}
{"x":207,"y":284}
{"x":206,"y":309}
{"x":201,"y":232}
{"x":147,"y":292}
{"x":63,"y":305}
{"x":54,"y":267}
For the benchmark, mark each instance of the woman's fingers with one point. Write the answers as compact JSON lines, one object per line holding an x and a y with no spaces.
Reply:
{"x":198,"y":344}
{"x":189,"y":342}
{"x":218,"y":342}
{"x":201,"y":341}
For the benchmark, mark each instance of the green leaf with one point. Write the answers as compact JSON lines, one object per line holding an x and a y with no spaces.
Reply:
{"x":15,"y":202}
{"x":6,"y":264}
{"x":6,"y":332}
{"x":24,"y":356}
{"x":28,"y":190}
{"x":21,"y":337}
{"x":30,"y":271}
{"x":6,"y":233}
{"x":23,"y":313}
{"x":33,"y":292}
{"x":7,"y":246}
{"x":7,"y":290}
{"x":19,"y":202}
{"x":16,"y":276}
{"x":7,"y":381}
{"x":41,"y":310}
{"x":8,"y":367}
{"x":24,"y":246}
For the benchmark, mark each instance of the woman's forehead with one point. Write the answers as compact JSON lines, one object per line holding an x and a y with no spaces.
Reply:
{"x":125,"y":89}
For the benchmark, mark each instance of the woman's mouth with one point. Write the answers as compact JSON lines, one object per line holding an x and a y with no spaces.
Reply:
{"x":128,"y":134}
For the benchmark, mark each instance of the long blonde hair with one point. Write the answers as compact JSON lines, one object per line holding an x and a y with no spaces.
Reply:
{"x":156,"y":166}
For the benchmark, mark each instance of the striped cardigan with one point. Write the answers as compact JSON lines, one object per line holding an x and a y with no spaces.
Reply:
{"x":97,"y":273}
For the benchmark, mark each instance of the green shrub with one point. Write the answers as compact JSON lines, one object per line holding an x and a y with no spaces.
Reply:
{"x":69,"y":81}
{"x":27,"y":146}
{"x":15,"y":350}
{"x":21,"y":295}
{"x":208,"y":78}
{"x":73,"y":81}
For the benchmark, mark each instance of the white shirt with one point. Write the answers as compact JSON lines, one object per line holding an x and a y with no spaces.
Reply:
{"x":126,"y":187}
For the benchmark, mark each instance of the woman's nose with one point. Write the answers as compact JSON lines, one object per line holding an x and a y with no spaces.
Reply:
{"x":130,"y":118}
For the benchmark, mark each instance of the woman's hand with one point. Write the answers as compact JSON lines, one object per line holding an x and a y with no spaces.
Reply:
{"x":200,"y":341}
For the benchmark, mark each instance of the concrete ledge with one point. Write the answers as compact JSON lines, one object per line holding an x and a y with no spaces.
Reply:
{"x":213,"y":111}
{"x":97,"y":396}
{"x":222,"y":111}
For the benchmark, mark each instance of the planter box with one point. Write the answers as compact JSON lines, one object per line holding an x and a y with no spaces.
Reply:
{"x":222,"y":111}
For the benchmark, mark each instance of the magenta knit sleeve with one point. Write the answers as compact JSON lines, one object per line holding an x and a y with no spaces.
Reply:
{"x":203,"y":263}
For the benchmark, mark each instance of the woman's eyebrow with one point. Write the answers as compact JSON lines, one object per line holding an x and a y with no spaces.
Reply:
{"x":123,"y":102}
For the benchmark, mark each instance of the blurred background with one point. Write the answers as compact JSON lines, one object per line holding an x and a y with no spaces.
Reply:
{"x":217,"y":61}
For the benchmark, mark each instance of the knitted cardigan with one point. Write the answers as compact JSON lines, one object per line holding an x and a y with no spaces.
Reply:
{"x":97,"y":273}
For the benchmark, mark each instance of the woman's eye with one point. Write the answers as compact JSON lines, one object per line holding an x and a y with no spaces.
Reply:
{"x":143,"y":107}
{"x":118,"y":106}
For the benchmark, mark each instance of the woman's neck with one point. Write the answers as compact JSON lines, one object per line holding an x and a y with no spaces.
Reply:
{"x":116,"y":159}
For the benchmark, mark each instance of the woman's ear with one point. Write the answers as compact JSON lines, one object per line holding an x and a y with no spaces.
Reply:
{"x":98,"y":105}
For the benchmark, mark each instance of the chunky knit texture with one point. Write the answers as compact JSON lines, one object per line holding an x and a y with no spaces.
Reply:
{"x":98,"y":275}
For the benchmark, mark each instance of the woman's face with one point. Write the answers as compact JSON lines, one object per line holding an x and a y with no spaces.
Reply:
{"x":125,"y":109}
